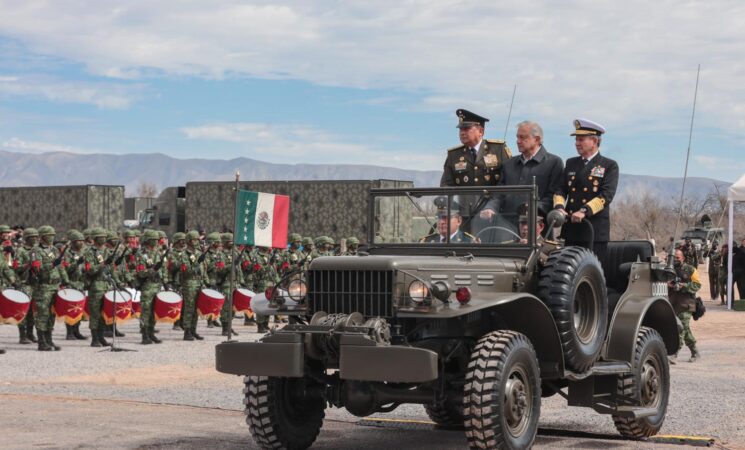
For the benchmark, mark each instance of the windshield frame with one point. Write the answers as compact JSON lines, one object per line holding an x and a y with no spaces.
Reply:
{"x":530,"y":191}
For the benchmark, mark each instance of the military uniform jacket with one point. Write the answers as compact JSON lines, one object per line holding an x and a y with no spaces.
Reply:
{"x":7,"y":275}
{"x":591,"y":186}
{"x":461,"y":169}
{"x":459,"y":237}
{"x":151,"y":267}
{"x":188,"y":267}
{"x":216,"y":268}
{"x":71,"y":264}
{"x":684,"y":299}
{"x":265,"y":275}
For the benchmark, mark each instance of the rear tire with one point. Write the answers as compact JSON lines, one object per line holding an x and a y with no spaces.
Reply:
{"x":284,"y":413}
{"x":572,"y":285}
{"x":502,"y":395}
{"x":648,"y":385}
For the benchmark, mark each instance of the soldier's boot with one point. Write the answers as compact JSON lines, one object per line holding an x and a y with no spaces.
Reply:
{"x":153,"y":337}
{"x":187,"y":335}
{"x":70,"y":336}
{"x":145,"y":337}
{"x":695,"y":356}
{"x":102,"y":340}
{"x":43,"y":346}
{"x":107,"y":331}
{"x":48,"y":335}
{"x":155,"y":330}
{"x":262,"y":327}
{"x":76,"y":332}
{"x":178,"y":325}
{"x":119,"y":333}
{"x":225,"y":327}
{"x":2,"y":351}
{"x":248,"y":320}
{"x":94,"y":338}
{"x":22,"y":337}
{"x":30,"y":333}
{"x":196,"y":335}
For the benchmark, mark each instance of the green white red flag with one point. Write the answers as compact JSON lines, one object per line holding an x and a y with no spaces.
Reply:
{"x":261,"y":219}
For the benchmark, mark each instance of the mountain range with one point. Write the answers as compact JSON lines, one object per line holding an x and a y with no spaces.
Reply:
{"x":131,"y":170}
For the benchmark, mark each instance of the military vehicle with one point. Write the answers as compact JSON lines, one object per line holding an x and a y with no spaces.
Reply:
{"x":476,"y":328}
{"x":63,"y":207}
{"x":165,"y":213}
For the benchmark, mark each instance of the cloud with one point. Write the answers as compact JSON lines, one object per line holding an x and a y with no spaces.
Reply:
{"x":15,"y":144}
{"x":630,"y":63}
{"x":100,"y":94}
{"x":288,"y":143}
{"x":718,"y":163}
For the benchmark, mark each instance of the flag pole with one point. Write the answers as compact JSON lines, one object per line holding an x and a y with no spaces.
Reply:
{"x":232,"y":258}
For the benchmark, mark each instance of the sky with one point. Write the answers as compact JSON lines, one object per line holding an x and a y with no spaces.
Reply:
{"x":374,"y":82}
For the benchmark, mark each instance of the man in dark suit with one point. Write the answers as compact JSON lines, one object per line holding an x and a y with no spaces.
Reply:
{"x":457,"y":236}
{"x":589,"y":185}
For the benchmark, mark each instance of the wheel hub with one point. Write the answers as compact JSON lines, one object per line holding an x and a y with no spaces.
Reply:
{"x":650,"y":383}
{"x":516,"y":406}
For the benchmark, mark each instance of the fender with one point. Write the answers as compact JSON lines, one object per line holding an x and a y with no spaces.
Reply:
{"x":633,"y":312}
{"x":524,"y":313}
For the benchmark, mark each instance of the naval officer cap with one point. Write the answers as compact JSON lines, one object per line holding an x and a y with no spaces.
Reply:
{"x":585,"y":127}
{"x":468,"y":119}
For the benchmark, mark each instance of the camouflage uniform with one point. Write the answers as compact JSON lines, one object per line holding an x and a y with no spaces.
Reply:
{"x":94,"y":272}
{"x":150,"y":274}
{"x":71,"y":265}
{"x":46,"y":278}
{"x":306,"y":255}
{"x":189,"y":279}
{"x":352,"y":246}
{"x":216,"y":268}
{"x":683,"y":300}
{"x":689,"y":252}
{"x":226,"y":314}
{"x":265,"y":275}
{"x":715,"y":262}
{"x":22,"y":266}
{"x":179,"y":243}
{"x":7,"y":278}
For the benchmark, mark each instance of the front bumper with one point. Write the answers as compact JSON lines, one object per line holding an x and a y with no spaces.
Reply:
{"x":282,"y":354}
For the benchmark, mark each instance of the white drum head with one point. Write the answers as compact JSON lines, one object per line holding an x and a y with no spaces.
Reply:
{"x":71,"y":295}
{"x":118,"y":296}
{"x":15,"y":296}
{"x":213,"y":294}
{"x":134,"y":294}
{"x":169,"y":297}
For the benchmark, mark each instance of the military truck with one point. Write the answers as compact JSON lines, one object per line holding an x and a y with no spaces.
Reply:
{"x":63,"y":207}
{"x":165,"y":213}
{"x":703,"y":237}
{"x":477,"y":328}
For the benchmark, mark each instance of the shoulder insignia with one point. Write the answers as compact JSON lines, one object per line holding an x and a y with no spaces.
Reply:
{"x":457,"y":147}
{"x":495,"y":141}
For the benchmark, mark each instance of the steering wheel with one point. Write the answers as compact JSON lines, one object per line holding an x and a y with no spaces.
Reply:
{"x":498,"y":228}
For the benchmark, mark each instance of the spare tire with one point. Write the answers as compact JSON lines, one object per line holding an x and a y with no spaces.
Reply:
{"x":572,"y":285}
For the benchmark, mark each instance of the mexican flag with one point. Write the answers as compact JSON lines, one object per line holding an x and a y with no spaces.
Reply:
{"x":261,"y":219}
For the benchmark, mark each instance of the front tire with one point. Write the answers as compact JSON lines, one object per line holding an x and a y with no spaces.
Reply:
{"x":284,"y":413}
{"x":502,"y":395}
{"x":648,"y":385}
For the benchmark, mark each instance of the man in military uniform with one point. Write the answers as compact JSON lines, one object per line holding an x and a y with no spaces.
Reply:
{"x":590,"y":182}
{"x":112,"y":245}
{"x":265,"y":276}
{"x":150,"y":274}
{"x":353,"y":245}
{"x":683,"y":298}
{"x":723,"y":273}
{"x":457,"y":235}
{"x":8,"y":276}
{"x":292,"y":256}
{"x":689,"y":252}
{"x":189,"y":278}
{"x":224,"y":283}
{"x":179,"y":245}
{"x":71,"y":264}
{"x":22,"y":266}
{"x":715,"y":261}
{"x":306,"y":255}
{"x":46,"y":279}
{"x":95,"y":273}
{"x":215,"y":268}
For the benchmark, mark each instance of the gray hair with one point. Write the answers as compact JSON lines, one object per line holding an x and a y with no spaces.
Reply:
{"x":535,"y":129}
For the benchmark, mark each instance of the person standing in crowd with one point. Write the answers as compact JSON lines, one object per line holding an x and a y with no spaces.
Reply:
{"x":738,"y":270}
{"x":23,"y":271}
{"x":715,"y":261}
{"x":689,"y":251}
{"x":215,"y":268}
{"x":353,"y":245}
{"x":46,"y":278}
{"x":189,"y":278}
{"x":226,"y":314}
{"x":71,"y":264}
{"x":7,"y":275}
{"x":683,"y":299}
{"x":151,"y":274}
{"x":94,"y":268}
{"x":265,"y":276}
{"x":723,"y":273}
{"x":589,"y":185}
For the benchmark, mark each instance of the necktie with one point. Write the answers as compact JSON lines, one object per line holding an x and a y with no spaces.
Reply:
{"x":585,"y":161}
{"x":473,"y":153}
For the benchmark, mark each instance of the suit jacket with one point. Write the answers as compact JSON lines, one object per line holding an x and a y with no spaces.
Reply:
{"x":548,"y":170}
{"x":591,"y":186}
{"x":461,"y":169}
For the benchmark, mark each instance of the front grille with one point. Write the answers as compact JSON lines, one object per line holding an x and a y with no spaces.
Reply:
{"x":369,"y":292}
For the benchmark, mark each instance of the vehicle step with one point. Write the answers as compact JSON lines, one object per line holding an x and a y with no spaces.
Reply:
{"x":600,"y":368}
{"x":635,"y":412}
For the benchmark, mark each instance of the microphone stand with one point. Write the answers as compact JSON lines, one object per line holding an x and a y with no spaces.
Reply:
{"x":112,"y":282}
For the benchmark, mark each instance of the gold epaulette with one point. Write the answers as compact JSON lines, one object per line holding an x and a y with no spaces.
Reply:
{"x":495,"y":141}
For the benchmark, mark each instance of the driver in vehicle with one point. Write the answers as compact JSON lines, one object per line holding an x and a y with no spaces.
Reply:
{"x":456,"y":234}
{"x":524,"y":225}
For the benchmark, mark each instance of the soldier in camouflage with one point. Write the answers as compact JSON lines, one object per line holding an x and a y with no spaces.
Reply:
{"x":46,"y":279}
{"x":71,"y":264}
{"x":715,"y":261}
{"x":683,"y":298}
{"x":7,"y":276}
{"x":150,"y":275}
{"x":179,"y":245}
{"x":22,"y":266}
{"x":120,"y":278}
{"x":292,"y":256}
{"x":265,"y":276}
{"x":189,"y":279}
{"x":689,"y":252}
{"x":215,"y":268}
{"x":94,"y":268}
{"x":306,"y":255}
{"x":226,"y":314}
{"x":245,"y":263}
{"x":353,"y":245}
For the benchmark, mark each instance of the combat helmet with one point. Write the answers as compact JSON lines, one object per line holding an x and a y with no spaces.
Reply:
{"x":307,"y":241}
{"x":353,"y":241}
{"x":178,"y":236}
{"x":226,"y":237}
{"x":213,"y":238}
{"x":75,"y":235}
{"x":150,"y":235}
{"x":30,"y":232}
{"x":294,"y":237}
{"x":99,"y":232}
{"x":46,"y":230}
{"x":191,"y":235}
{"x":5,"y":229}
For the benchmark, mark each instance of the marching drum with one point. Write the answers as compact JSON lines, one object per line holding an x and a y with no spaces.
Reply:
{"x":135,"y":294}
{"x":70,"y":305}
{"x":167,"y":306}
{"x":123,"y":302}
{"x":242,"y":301}
{"x":13,"y":306}
{"x":209,"y":303}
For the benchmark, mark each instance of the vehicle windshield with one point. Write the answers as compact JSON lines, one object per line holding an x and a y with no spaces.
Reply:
{"x":695,"y":234}
{"x":452,"y":216}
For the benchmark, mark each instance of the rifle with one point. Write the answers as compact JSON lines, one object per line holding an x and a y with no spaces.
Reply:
{"x":58,"y":261}
{"x":110,"y":259}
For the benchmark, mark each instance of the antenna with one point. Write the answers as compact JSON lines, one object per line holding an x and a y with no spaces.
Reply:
{"x":509,"y":114}
{"x":685,"y":172}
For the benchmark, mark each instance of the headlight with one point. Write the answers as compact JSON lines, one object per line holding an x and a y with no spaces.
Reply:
{"x":297,"y":290}
{"x":418,"y":291}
